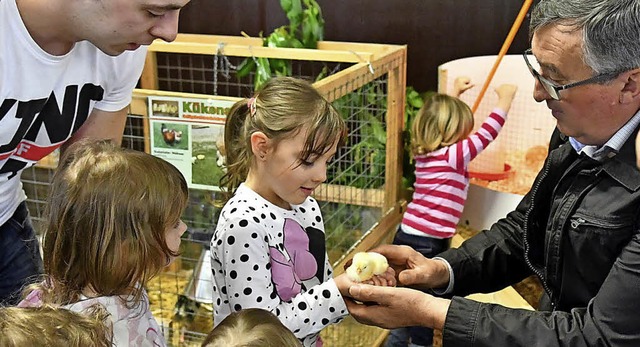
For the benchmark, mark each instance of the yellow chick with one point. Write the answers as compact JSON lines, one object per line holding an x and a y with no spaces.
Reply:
{"x":365,"y":265}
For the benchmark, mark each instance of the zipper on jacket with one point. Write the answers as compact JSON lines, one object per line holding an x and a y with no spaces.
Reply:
{"x":576,"y":222}
{"x":538,"y":273}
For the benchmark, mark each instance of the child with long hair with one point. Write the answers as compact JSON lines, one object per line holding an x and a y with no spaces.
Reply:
{"x":113,"y":223}
{"x":442,"y":147}
{"x":268,"y":249}
{"x":251,"y":327}
{"x":49,"y":326}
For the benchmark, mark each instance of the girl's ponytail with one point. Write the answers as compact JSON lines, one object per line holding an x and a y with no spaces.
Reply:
{"x":237,"y":153}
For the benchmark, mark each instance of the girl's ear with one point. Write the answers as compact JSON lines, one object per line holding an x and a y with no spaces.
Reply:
{"x":260,"y":144}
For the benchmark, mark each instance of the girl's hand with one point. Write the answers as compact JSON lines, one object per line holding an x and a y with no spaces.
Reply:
{"x":387,"y":279}
{"x":506,"y":93}
{"x":461,"y":84}
{"x":343,"y":283}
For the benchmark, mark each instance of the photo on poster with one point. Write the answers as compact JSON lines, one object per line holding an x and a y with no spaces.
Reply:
{"x":165,"y":108}
{"x":171,"y":135}
{"x":207,"y":148}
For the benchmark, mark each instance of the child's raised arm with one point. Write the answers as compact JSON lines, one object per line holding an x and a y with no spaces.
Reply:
{"x":460,"y":85}
{"x":506,"y":93}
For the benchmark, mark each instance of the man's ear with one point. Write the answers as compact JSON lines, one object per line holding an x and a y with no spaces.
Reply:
{"x":260,"y":144}
{"x":631,"y":90}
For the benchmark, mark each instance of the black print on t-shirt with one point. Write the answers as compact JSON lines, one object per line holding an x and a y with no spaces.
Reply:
{"x":37,"y":114}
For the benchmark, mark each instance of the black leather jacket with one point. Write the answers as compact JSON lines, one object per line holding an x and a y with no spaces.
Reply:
{"x":577,"y":230}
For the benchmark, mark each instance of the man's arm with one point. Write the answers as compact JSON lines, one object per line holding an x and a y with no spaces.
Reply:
{"x":396,"y":307}
{"x":610,"y":319}
{"x":101,"y":125}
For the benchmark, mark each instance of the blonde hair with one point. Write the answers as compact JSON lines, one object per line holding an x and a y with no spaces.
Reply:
{"x":251,"y":327}
{"x":442,"y":121}
{"x":108,"y":211}
{"x":280,"y":109}
{"x":49,"y":326}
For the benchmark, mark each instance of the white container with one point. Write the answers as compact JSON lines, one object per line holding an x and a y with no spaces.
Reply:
{"x":528,"y":128}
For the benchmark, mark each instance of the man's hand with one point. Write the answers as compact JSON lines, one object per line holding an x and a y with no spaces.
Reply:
{"x":413,"y":269}
{"x":391,"y":307}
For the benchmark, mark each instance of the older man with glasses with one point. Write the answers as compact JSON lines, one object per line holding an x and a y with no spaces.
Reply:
{"x":577,"y":230}
{"x":554,"y":89}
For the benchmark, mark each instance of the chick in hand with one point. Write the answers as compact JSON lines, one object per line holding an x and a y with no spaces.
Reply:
{"x":365,"y":265}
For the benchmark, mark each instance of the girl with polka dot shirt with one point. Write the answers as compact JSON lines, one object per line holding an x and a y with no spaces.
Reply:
{"x":268,"y":250}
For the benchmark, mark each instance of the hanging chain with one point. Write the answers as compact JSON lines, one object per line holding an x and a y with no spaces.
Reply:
{"x":226,"y":66}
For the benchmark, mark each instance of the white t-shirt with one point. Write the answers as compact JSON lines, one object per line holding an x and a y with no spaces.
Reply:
{"x":131,"y":326}
{"x":44,"y":99}
{"x":267,"y":257}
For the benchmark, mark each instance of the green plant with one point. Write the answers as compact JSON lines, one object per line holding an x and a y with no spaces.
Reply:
{"x":362,"y":161}
{"x":368,"y":137}
{"x":305,"y":29}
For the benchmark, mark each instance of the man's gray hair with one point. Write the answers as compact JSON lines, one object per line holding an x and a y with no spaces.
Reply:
{"x":610,"y":29}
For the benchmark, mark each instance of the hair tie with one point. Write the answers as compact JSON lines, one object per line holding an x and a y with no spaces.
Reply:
{"x":251,"y":104}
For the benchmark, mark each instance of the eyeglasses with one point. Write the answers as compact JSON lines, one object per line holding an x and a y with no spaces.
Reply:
{"x":554,"y":89}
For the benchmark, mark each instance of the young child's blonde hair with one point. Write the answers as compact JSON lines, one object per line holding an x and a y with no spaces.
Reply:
{"x":49,"y":326}
{"x":251,"y":327}
{"x":280,"y":109}
{"x":108,"y":212}
{"x":442,"y":121}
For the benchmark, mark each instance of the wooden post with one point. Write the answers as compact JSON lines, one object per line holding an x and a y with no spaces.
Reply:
{"x":396,"y":94}
{"x":149,"y":77}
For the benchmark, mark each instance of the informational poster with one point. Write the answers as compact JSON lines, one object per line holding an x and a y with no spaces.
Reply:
{"x":189,"y":133}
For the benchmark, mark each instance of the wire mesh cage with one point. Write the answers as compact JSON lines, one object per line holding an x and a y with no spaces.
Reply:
{"x":360,"y":201}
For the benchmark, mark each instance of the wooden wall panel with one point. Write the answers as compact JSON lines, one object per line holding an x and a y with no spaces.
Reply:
{"x":436,"y":31}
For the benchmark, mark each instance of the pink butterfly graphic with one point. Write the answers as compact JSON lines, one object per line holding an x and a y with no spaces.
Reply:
{"x":288,"y":274}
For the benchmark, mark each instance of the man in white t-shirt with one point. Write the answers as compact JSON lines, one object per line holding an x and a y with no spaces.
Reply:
{"x":67,"y":69}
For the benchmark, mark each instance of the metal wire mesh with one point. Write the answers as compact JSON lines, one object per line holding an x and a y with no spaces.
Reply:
{"x":35,"y":182}
{"x":194,"y":73}
{"x":348,"y":209}
{"x":185,"y":319}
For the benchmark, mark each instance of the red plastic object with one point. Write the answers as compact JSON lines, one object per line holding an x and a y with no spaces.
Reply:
{"x":492,"y":176}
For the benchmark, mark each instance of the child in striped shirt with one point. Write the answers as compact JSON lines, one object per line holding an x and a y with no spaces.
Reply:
{"x":442,"y":147}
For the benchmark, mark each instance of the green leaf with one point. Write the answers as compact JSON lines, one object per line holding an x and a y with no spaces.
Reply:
{"x":414,"y":99}
{"x":286,"y":5}
{"x":293,"y":9}
{"x":280,"y":67}
{"x":323,"y":73}
{"x":312,"y":24}
{"x":245,"y":67}
{"x":263,"y":72}
{"x":378,"y":130}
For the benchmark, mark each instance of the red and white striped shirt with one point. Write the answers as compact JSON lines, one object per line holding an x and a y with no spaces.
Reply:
{"x":442,"y":182}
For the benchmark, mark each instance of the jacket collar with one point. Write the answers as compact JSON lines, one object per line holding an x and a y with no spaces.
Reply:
{"x":622,"y":167}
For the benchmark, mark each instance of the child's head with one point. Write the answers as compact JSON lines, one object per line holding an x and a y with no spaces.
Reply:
{"x":282,"y":109}
{"x":251,"y":327}
{"x":442,"y":121}
{"x":53,"y":327}
{"x":114,"y":221}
